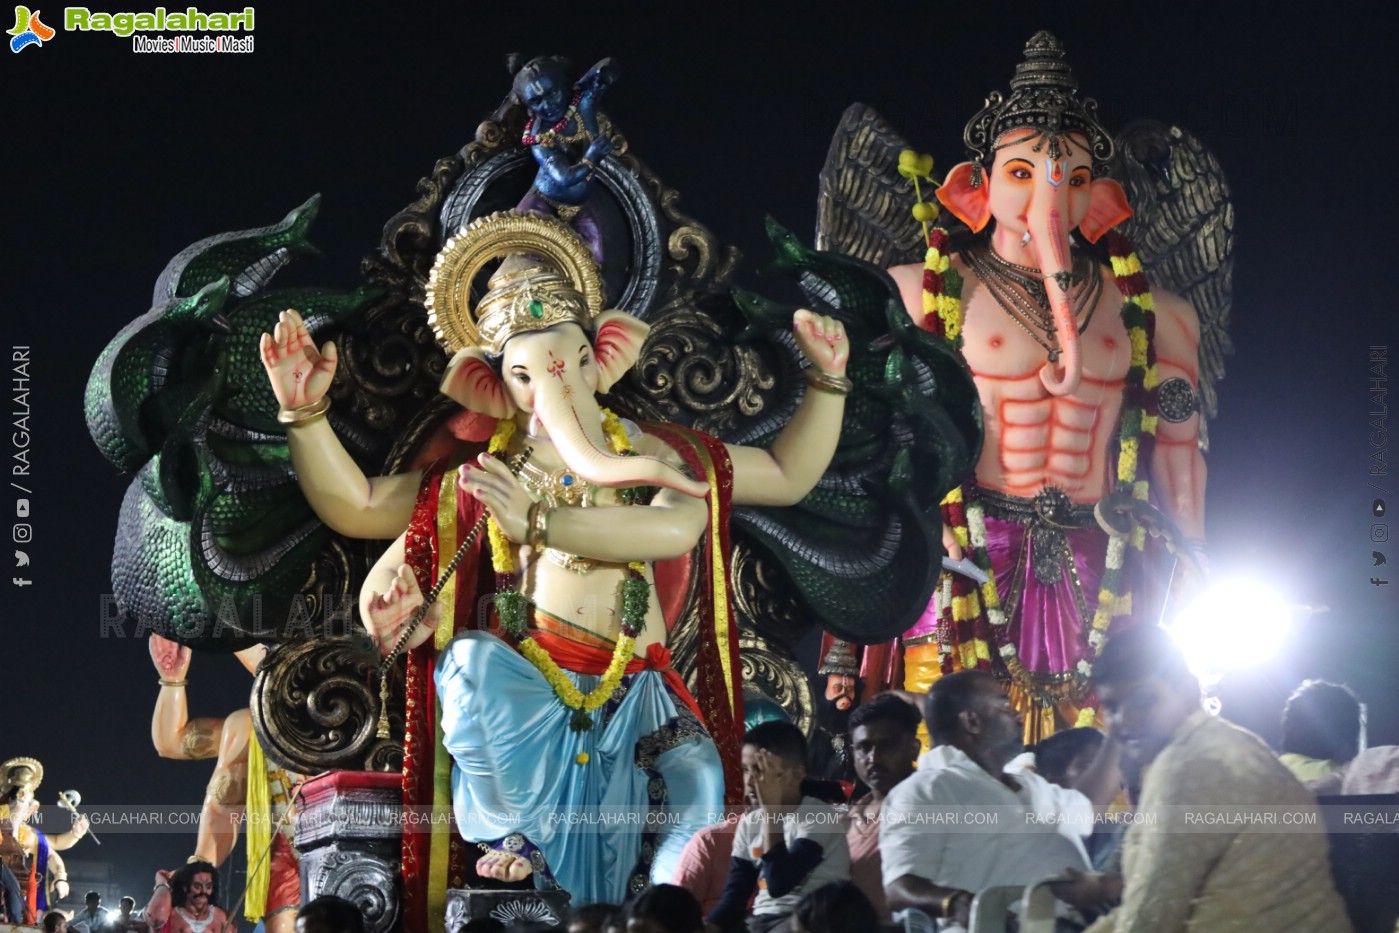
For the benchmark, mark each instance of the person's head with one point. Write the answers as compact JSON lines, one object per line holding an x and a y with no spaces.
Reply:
{"x":591,"y":918}
{"x":195,"y":886}
{"x":1145,"y":689}
{"x":969,"y":710}
{"x":838,"y":907}
{"x":93,"y":900}
{"x":884,"y":741}
{"x":784,"y":747}
{"x":664,"y":908}
{"x":542,"y":85}
{"x":127,"y":905}
{"x":1062,"y":757}
{"x":55,"y":922}
{"x":1323,"y":720}
{"x":330,"y":914}
{"x":842,"y":691}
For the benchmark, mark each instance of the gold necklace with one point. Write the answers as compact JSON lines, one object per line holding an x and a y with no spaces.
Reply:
{"x":1022,"y":296}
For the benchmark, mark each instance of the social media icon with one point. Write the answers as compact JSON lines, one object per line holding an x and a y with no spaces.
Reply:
{"x":1379,"y":558}
{"x":21,"y":559}
{"x":1376,"y":508}
{"x":23,"y":533}
{"x":22,"y":508}
{"x":1376,"y":581}
{"x":21,"y":581}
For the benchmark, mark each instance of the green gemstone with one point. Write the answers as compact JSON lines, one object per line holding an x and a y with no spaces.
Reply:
{"x":536,"y":308}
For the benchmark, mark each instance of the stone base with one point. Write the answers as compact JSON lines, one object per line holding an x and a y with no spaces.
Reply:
{"x":349,"y":832}
{"x":464,"y":905}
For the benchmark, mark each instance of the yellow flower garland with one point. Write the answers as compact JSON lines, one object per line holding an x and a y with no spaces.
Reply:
{"x":503,"y":562}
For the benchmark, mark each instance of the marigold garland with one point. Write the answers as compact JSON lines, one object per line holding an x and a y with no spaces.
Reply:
{"x":963,"y":615}
{"x":513,"y":608}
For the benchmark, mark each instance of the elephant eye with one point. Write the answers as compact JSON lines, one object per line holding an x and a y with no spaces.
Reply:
{"x":1078,"y":181}
{"x":1020,"y":173}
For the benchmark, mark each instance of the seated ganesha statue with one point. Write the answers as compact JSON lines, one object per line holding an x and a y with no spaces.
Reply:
{"x":528,"y":569}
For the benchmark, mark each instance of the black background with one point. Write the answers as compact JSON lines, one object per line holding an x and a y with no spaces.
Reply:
{"x":117,"y":160}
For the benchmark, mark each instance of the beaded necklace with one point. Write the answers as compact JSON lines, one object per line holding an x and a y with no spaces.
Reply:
{"x":546,"y":138}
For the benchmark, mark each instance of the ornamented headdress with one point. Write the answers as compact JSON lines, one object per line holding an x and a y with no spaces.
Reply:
{"x":24,"y":773}
{"x":1044,"y":98}
{"x":548,"y":278}
{"x":840,"y":659}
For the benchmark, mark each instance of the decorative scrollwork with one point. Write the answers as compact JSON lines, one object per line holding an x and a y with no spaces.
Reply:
{"x":392,"y":368}
{"x":762,"y":595}
{"x":314,"y":704}
{"x":367,"y":882}
{"x":691,"y":372}
{"x":775,"y":672}
{"x":702,"y":263}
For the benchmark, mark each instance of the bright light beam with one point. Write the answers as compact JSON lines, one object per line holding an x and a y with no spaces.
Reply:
{"x":1234,"y":624}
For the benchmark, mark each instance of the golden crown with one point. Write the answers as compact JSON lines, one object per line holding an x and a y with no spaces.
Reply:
{"x":20,"y":772}
{"x":548,"y":277}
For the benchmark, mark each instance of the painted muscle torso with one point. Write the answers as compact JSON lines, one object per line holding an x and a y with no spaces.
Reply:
{"x":1034,"y":439}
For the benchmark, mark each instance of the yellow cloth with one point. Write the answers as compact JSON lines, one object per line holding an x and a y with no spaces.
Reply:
{"x":1181,"y":873}
{"x":1307,"y":769}
{"x":258,"y":832}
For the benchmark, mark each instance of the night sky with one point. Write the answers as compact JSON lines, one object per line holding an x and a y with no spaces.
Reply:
{"x":118,"y":160}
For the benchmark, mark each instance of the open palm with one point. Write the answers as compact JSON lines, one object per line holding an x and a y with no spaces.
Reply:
{"x":300,"y":374}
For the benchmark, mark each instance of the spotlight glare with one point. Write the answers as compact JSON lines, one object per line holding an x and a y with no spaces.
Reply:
{"x":1232,"y":625}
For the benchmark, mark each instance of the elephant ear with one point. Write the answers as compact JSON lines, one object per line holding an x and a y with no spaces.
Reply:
{"x":617,"y":345}
{"x":472,"y":383}
{"x":971,"y":203}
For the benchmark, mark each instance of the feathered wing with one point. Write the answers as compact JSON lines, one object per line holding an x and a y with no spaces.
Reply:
{"x":1183,"y":229}
{"x":864,"y":206}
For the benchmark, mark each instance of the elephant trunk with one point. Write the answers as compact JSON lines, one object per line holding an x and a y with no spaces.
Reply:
{"x":1049,"y":232}
{"x":576,"y":432}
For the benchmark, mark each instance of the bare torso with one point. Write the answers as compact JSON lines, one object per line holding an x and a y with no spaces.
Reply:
{"x":1034,"y":439}
{"x":591,"y":600}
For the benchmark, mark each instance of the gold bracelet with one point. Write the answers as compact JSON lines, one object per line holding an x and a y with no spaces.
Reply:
{"x":946,"y":908}
{"x":538,"y":525}
{"x":172,"y":683}
{"x":827,"y":382}
{"x":295,"y":417}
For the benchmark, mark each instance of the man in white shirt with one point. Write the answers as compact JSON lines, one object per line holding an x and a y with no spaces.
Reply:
{"x":787,"y":844}
{"x":961,"y":823}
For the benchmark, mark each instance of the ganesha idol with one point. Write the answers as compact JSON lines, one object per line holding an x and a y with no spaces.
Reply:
{"x":1090,"y":377}
{"x":557,"y":698}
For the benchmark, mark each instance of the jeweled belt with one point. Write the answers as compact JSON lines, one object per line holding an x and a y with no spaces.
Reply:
{"x":1045,"y":517}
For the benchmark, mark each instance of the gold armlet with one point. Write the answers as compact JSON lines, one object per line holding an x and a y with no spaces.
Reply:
{"x":172,"y":683}
{"x":295,"y":417}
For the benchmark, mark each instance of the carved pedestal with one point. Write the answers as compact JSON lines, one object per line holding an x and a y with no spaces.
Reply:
{"x":349,"y":832}
{"x":536,"y":906}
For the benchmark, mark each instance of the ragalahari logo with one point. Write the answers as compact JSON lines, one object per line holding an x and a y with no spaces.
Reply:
{"x":29,"y":30}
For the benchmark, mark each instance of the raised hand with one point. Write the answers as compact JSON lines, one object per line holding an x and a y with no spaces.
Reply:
{"x":500,"y":492}
{"x":822,"y":341}
{"x":389,"y":612}
{"x":171,"y":660}
{"x":300,"y":375}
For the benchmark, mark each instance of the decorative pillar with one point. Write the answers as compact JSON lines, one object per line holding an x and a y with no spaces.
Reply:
{"x":349,"y":831}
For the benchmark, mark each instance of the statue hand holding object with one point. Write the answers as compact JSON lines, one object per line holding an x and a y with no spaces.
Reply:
{"x":387,"y":613}
{"x":171,"y":659}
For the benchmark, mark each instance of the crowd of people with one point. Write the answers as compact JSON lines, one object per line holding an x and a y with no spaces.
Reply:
{"x":1167,"y":820}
